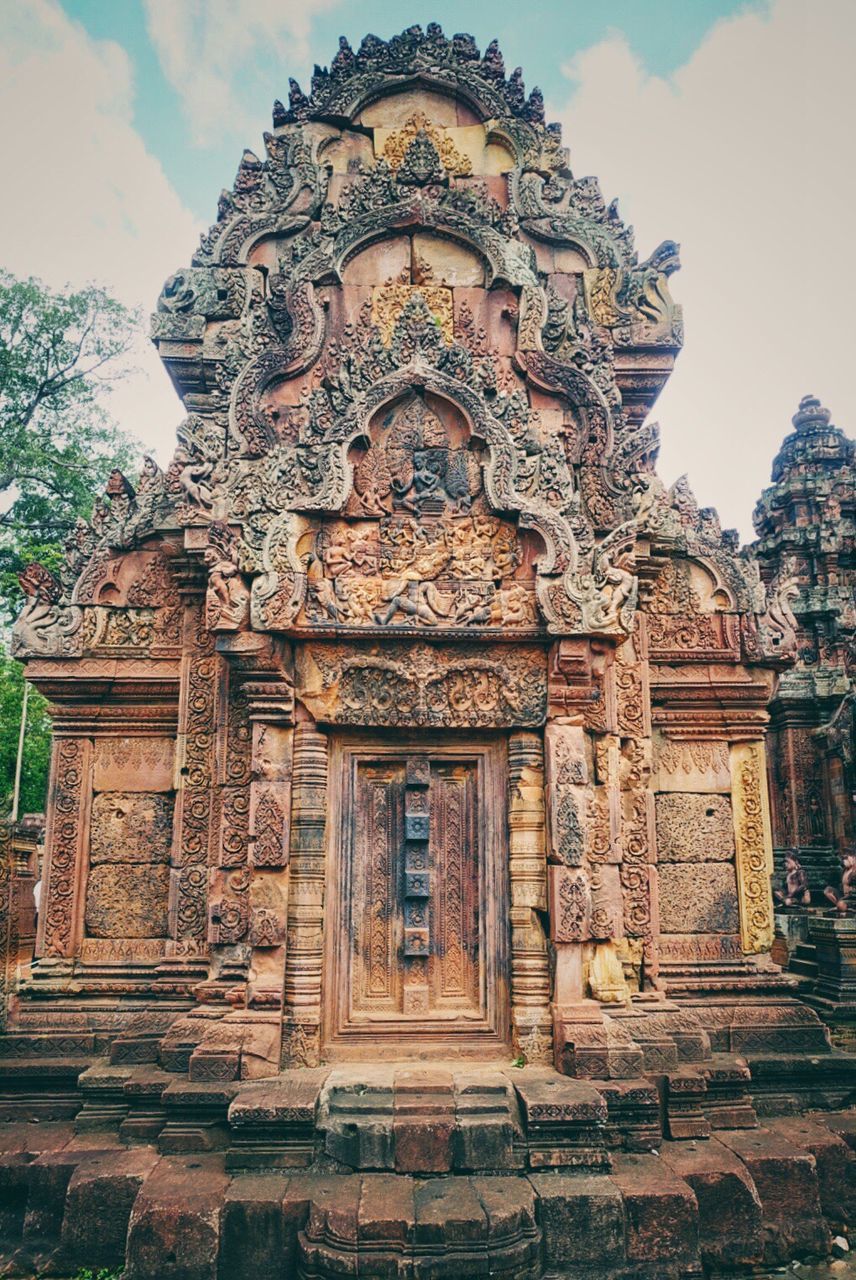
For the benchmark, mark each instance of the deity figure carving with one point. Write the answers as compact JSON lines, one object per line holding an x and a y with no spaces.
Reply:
{"x":227,"y":598}
{"x":841,"y":897}
{"x":795,"y":891}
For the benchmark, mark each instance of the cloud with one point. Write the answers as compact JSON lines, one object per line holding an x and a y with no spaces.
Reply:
{"x":744,"y":157}
{"x":84,"y":198}
{"x":220,"y":55}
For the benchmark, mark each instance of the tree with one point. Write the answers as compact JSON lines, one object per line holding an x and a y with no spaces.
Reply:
{"x":37,"y":743}
{"x":59,"y":352}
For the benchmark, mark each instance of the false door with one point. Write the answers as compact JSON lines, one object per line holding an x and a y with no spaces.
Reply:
{"x":416,"y":919}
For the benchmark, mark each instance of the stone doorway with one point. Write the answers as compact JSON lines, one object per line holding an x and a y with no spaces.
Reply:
{"x":417,"y":921}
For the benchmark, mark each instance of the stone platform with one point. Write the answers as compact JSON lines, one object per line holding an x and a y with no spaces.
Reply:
{"x":408,"y":1171}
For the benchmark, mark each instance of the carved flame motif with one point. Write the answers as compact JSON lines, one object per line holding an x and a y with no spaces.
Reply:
{"x":398,"y":143}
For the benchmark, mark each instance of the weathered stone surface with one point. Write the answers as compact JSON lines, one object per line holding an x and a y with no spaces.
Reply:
{"x":835,"y":1162}
{"x":133,"y":764}
{"x":252,"y":1233}
{"x":174,"y":1231}
{"x":694,"y":828}
{"x":102,"y":1191}
{"x":127,"y":901}
{"x":786,"y":1181}
{"x":130,"y":827}
{"x":729,"y":1209}
{"x":582,"y":1218}
{"x":698,"y":899}
{"x":662,"y":1212}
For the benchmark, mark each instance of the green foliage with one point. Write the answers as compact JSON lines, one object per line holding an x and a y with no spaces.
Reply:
{"x":59,"y":353}
{"x":37,"y":741}
{"x":86,"y":1273}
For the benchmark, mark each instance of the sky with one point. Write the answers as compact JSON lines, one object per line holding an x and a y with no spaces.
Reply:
{"x":725,"y":126}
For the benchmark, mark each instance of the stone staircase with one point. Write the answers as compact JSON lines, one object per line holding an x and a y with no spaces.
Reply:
{"x":656,"y":1167}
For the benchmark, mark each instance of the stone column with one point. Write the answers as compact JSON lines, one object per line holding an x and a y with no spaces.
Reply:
{"x":753,"y":844}
{"x":530,"y":976}
{"x":301,"y":1031}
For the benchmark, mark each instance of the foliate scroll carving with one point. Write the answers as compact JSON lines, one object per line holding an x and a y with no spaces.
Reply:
{"x":420,"y":685}
{"x":753,"y":844}
{"x":8,"y":923}
{"x":195,"y":803}
{"x":71,"y":788}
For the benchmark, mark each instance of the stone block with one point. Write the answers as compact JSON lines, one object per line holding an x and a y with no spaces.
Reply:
{"x":174,"y":1232}
{"x":694,"y":828}
{"x":252,"y":1236}
{"x":387,"y":1210}
{"x":442,"y":262}
{"x":451,"y":1235}
{"x":698,"y":898}
{"x":98,"y":1204}
{"x":661,"y":1211}
{"x":730,"y":1222}
{"x":785,"y":1178}
{"x":835,"y":1161}
{"x":49,"y":1176}
{"x":133,"y":764}
{"x":514,"y":1237}
{"x":127,"y":901}
{"x":582,"y":1220}
{"x":130,"y":827}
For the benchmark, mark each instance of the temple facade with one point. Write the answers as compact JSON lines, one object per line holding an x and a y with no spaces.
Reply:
{"x":408,"y":717}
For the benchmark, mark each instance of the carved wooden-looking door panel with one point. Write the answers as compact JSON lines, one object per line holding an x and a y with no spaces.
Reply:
{"x":416,"y":917}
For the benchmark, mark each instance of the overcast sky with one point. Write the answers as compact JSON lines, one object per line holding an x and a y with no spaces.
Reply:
{"x":725,"y":126}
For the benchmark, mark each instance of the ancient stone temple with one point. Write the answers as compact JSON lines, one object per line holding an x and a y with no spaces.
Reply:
{"x":409,"y":847}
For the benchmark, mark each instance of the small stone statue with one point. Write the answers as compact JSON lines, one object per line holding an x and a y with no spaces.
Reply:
{"x":840,"y":899}
{"x":796,"y":891}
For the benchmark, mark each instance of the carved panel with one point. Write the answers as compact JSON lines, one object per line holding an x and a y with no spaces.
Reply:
{"x":133,"y":764}
{"x":127,"y":900}
{"x":130,"y":827}
{"x":419,"y":685}
{"x":754,"y":845}
{"x":195,"y":811}
{"x":66,"y":831}
{"x":694,"y":828}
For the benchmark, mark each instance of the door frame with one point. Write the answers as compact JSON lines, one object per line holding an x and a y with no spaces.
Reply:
{"x":418,"y":1037}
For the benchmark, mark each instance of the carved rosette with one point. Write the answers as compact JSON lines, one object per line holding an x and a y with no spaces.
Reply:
{"x":753,"y":844}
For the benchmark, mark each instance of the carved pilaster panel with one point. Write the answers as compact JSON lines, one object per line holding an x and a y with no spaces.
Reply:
{"x":753,"y":844}
{"x":530,"y":978}
{"x":304,"y":939}
{"x":67,"y":834}
{"x":195,"y":803}
{"x":8,"y":922}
